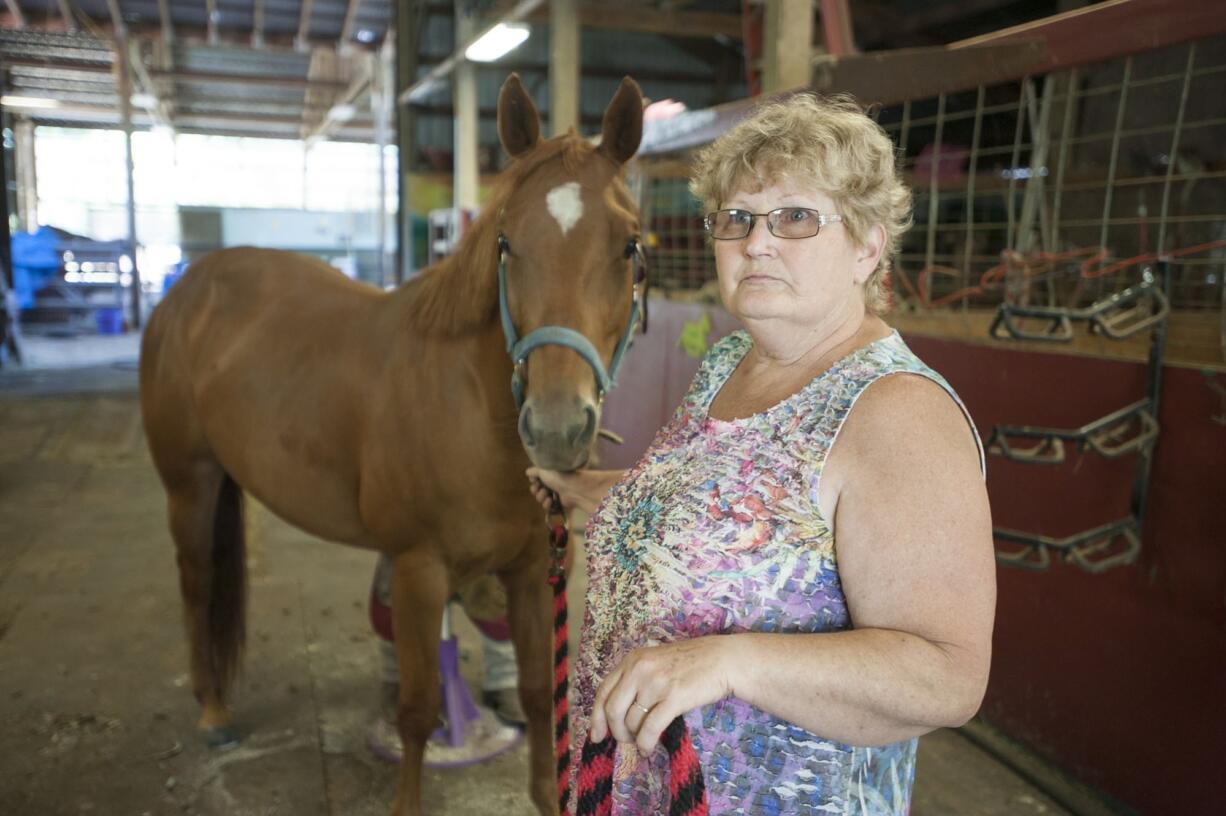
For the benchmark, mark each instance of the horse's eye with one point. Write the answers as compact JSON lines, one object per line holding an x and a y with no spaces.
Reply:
{"x":504,"y":246}
{"x":632,"y":248}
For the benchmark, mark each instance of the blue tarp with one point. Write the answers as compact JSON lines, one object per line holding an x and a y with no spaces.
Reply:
{"x":36,"y":259}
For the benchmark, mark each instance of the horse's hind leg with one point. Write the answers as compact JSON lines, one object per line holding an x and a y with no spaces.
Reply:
{"x":206,"y":523}
{"x":420,"y":588}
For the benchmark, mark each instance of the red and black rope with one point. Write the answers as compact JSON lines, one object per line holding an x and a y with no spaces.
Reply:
{"x":558,"y":536}
{"x":687,"y":793}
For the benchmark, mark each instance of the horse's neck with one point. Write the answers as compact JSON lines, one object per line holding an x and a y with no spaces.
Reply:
{"x":454,"y":336}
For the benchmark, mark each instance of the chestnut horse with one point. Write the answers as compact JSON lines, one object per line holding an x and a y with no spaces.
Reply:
{"x":387,"y":420}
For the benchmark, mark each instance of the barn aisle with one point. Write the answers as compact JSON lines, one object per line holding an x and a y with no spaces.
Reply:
{"x":95,"y":713}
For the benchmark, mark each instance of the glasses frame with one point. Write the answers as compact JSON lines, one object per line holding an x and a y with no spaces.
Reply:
{"x":823,"y":219}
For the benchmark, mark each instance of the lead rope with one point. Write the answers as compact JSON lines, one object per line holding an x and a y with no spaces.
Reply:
{"x":687,"y":793}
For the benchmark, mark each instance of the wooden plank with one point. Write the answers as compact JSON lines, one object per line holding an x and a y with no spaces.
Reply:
{"x":1193,"y":337}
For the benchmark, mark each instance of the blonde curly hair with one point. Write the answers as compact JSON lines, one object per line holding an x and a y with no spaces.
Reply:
{"x":829,"y":144}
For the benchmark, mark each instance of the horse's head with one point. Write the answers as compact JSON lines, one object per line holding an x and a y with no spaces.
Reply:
{"x":568,"y":234}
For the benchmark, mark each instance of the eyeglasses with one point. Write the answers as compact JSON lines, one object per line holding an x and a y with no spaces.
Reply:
{"x":785,"y":222}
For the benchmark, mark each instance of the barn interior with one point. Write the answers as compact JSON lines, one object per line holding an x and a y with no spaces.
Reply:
{"x":1065,"y":272}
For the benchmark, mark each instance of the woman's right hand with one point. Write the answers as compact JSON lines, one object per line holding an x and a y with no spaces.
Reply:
{"x":577,"y":490}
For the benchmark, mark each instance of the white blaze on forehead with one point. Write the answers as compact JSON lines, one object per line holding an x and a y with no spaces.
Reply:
{"x":565,"y":205}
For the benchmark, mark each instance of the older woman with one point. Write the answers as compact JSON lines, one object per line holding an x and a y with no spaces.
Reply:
{"x":801,"y":563}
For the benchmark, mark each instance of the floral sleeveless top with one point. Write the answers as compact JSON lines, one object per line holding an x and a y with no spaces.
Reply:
{"x":716,"y":529}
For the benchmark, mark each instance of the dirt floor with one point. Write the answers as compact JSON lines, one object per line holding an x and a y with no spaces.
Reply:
{"x":95,"y":713}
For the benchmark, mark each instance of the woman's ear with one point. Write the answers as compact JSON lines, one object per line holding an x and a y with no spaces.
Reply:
{"x":868,"y":254}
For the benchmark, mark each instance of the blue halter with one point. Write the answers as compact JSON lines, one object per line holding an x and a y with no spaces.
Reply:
{"x":520,"y":347}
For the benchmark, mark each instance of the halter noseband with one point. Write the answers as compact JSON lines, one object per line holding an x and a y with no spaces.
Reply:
{"x":520,"y":347}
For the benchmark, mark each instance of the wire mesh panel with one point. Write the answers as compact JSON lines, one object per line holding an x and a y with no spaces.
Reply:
{"x":1056,"y":190}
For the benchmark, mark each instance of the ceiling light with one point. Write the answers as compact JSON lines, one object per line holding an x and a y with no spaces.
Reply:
{"x":143,"y":100}
{"x":28,"y":102}
{"x":365,"y":35}
{"x":342,"y":113}
{"x":497,"y":41}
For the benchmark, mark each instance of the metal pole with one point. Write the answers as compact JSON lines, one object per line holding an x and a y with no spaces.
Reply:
{"x":381,"y":72}
{"x":125,"y":111}
{"x":465,"y":173}
{"x":406,"y":70}
{"x":1153,"y":388}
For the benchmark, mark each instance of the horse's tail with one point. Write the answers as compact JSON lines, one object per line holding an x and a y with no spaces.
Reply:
{"x":228,"y":592}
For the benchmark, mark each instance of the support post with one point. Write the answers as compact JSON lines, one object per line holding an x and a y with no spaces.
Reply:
{"x":27,"y":175}
{"x":788,"y":45}
{"x":563,"y":66}
{"x":465,"y":179}
{"x":124,"y":83}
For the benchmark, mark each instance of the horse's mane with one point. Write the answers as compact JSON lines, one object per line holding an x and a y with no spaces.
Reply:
{"x":460,"y":292}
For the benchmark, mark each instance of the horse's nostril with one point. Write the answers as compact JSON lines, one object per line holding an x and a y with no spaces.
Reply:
{"x":525,"y":427}
{"x":583,"y":434}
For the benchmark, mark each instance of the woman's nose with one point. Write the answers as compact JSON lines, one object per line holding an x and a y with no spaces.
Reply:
{"x":759,"y":239}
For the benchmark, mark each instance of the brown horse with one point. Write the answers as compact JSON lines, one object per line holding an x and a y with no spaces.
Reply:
{"x":387,"y":421}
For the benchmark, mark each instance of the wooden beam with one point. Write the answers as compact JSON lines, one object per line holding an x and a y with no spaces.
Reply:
{"x":210,"y":7}
{"x":257,"y":25}
{"x":304,"y":26}
{"x":564,"y":62}
{"x":836,"y":28}
{"x":351,"y":13}
{"x":70,"y":19}
{"x":118,"y":27}
{"x":168,"y":26}
{"x":1112,"y":30}
{"x":15,"y":10}
{"x":619,"y":17}
{"x":433,"y":81}
{"x":329,"y":123}
{"x":788,"y":41}
{"x":245,"y":79}
{"x":161,"y":111}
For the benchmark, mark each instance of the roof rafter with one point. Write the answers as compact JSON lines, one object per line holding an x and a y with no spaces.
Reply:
{"x":351,"y":13}
{"x":70,"y":20}
{"x":257,"y":25}
{"x":168,"y":28}
{"x":304,"y":26}
{"x":18,"y":14}
{"x":211,"y":21}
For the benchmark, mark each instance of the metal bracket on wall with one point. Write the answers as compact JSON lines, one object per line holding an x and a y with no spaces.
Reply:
{"x":1118,"y":316}
{"x":1096,"y":550}
{"x":1127,"y":430}
{"x":1132,"y":429}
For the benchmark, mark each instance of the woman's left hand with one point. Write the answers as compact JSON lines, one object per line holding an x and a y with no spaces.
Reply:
{"x":653,"y":685}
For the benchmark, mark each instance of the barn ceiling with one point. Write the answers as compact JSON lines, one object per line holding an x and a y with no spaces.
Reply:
{"x":302,"y":68}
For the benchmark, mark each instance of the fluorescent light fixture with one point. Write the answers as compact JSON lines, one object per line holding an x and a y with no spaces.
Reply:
{"x":10,"y":101}
{"x":497,"y":41}
{"x":342,"y":113}
{"x":143,"y":100}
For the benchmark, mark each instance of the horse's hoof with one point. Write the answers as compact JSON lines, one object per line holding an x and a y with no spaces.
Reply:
{"x":221,"y":738}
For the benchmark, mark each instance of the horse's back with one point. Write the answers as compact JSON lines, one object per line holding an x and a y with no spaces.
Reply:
{"x":256,"y":359}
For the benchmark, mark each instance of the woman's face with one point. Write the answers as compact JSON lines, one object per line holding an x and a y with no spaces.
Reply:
{"x":803,"y":281}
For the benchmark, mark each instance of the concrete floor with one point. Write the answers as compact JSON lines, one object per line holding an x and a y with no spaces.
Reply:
{"x":95,"y":713}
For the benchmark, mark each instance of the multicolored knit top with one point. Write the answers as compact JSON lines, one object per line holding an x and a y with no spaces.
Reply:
{"x":716,"y":529}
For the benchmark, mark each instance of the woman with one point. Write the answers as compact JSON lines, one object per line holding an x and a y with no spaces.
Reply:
{"x":801,"y":564}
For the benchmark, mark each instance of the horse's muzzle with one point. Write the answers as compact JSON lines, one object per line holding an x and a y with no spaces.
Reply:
{"x":558,"y":434}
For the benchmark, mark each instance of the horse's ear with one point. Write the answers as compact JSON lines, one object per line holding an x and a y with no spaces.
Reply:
{"x":623,"y":122}
{"x":519,"y":125}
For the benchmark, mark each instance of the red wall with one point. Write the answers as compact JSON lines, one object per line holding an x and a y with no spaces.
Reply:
{"x":1118,"y":678}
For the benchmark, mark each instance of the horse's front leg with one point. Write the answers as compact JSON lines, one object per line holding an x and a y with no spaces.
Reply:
{"x":530,"y":613}
{"x":420,"y":589}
